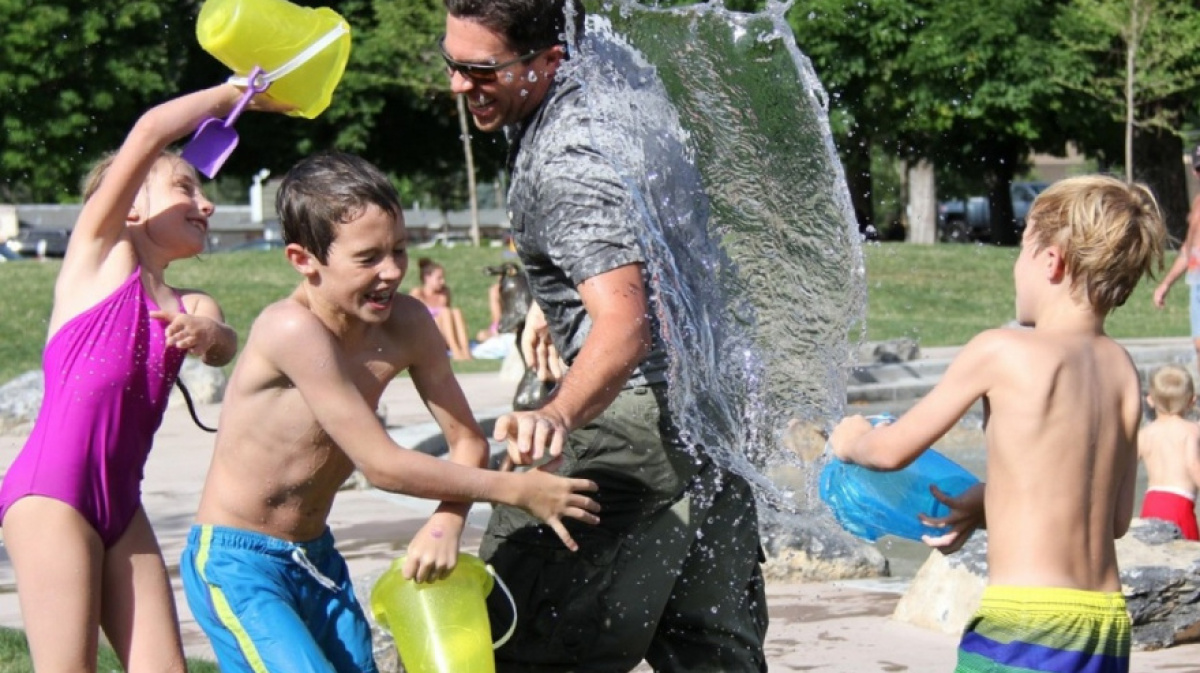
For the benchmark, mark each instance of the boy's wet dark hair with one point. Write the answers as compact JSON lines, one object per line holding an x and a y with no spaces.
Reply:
{"x":328,"y":189}
{"x":527,"y":25}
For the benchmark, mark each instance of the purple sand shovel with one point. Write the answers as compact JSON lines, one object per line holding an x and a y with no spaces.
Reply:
{"x":215,"y":138}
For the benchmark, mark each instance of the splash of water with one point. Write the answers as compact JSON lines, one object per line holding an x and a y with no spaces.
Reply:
{"x":755,"y":261}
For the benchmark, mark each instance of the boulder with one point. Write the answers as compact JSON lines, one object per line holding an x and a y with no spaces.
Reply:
{"x":1160,"y":577}
{"x":205,"y":384}
{"x":891,"y":351}
{"x":20,"y":400}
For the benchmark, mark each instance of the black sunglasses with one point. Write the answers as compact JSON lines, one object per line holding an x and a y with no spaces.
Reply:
{"x":481,"y":72}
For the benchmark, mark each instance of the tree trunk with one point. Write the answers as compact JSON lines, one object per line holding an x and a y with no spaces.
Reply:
{"x":1158,"y":159}
{"x":464,"y":126}
{"x":999,"y":186}
{"x":857,"y":161}
{"x":922,"y":203}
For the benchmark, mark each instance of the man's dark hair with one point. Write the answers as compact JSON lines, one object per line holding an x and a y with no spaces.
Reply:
{"x":328,"y":189}
{"x":527,"y":25}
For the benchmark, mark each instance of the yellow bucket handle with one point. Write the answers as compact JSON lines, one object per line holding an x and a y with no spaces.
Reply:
{"x":512,"y":627}
{"x":298,"y":60}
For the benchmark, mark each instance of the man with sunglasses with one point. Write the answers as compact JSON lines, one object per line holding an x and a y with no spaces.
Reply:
{"x":671,"y":574}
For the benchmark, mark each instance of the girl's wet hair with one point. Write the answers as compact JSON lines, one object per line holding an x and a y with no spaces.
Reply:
{"x":527,"y":25}
{"x":1110,"y":232}
{"x":95,"y":175}
{"x":326,"y":190}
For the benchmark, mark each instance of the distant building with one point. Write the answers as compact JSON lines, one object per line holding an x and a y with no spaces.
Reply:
{"x":234,"y":224}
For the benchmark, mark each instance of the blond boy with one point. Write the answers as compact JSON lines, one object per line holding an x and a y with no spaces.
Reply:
{"x":1170,"y":448}
{"x":262,"y":576}
{"x":1062,"y":406}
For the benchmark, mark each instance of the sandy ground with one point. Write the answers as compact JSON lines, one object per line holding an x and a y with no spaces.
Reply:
{"x":814,"y":627}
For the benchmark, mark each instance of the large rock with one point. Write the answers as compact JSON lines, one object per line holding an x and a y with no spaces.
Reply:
{"x":820,"y":556}
{"x":1160,"y":577}
{"x":205,"y":384}
{"x":20,"y":400}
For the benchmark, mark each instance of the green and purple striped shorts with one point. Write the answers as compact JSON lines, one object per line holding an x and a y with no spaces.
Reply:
{"x":1024,"y":629}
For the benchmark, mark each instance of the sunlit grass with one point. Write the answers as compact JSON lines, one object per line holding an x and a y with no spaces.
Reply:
{"x":940,"y":295}
{"x":14,"y":656}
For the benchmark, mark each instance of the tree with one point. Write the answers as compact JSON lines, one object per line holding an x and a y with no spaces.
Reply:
{"x":856,"y":49}
{"x":1140,"y":59}
{"x":76,"y":74}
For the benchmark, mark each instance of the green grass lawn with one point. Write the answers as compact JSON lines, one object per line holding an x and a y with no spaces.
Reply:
{"x":14,"y":656}
{"x":940,"y":295}
{"x":944,"y":294}
{"x":242,"y":283}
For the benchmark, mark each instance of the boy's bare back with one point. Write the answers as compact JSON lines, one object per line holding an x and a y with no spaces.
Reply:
{"x":1061,"y":438}
{"x":1170,"y":448}
{"x":292,"y":364}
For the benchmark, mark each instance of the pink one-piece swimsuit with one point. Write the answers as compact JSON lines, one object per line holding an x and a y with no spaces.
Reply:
{"x":108,"y":377}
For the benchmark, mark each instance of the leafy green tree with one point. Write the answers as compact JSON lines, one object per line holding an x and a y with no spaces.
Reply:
{"x":75,"y":74}
{"x":1140,"y":61}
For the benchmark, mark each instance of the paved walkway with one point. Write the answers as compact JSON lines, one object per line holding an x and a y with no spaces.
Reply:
{"x":841,"y":626}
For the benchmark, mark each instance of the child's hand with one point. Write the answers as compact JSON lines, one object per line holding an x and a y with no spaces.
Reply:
{"x":433,"y":552}
{"x":966,"y":514}
{"x":846,"y":434}
{"x":550,"y":497}
{"x":531,"y":435}
{"x":192,"y":333}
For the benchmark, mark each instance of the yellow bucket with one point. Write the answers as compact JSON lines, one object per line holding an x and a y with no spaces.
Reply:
{"x":302,"y":51}
{"x":442,"y":626}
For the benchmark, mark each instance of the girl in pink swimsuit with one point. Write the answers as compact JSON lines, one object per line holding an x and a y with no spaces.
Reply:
{"x":81,"y":546}
{"x":434,"y":293}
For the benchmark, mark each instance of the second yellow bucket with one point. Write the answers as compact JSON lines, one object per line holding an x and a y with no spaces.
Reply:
{"x":302,"y":50}
{"x":442,"y":626}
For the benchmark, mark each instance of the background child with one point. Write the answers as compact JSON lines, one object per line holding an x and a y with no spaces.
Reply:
{"x":1170,"y":447}
{"x":1062,"y":405}
{"x":81,"y":546}
{"x":435,"y":294}
{"x":260,"y":570}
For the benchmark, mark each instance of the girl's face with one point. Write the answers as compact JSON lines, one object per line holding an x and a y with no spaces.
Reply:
{"x":435,"y":280}
{"x":174,"y":209}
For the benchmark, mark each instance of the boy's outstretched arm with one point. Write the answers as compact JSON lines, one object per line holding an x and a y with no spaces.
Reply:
{"x":893,"y":446}
{"x":314,"y":362}
{"x":433,"y":552}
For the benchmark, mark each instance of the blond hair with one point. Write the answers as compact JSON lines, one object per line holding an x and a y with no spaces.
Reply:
{"x":1171,"y":390}
{"x":91,"y":181}
{"x":1110,"y":232}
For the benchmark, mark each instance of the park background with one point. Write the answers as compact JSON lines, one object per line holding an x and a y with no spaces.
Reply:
{"x":929,"y":100}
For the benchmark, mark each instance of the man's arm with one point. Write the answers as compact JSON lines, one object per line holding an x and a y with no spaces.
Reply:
{"x":618,"y":340}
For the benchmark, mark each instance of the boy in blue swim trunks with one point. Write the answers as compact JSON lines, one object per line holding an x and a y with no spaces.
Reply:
{"x":260,"y":570}
{"x":1062,"y":409}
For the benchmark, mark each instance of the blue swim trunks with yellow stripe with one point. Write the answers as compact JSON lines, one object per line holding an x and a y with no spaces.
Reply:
{"x":1023,"y":629}
{"x":270,"y":605}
